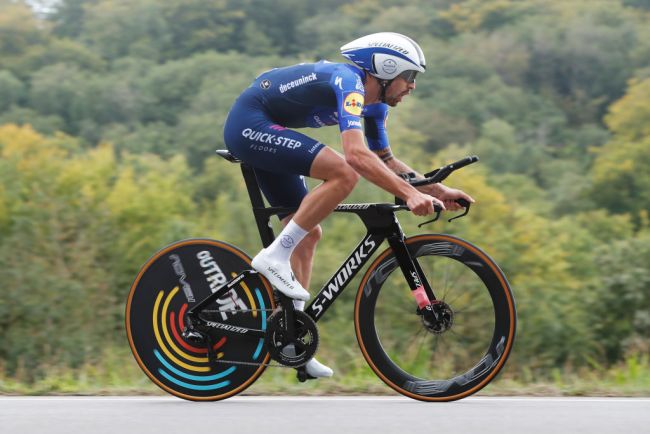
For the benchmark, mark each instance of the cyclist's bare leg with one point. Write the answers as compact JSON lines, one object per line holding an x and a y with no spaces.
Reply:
{"x":339,"y":180}
{"x":302,"y":257}
{"x":302,"y":260}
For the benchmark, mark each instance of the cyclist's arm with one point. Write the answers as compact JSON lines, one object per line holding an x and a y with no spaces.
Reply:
{"x":376,"y":116}
{"x":396,"y":165}
{"x":446,"y":194}
{"x":368,"y":165}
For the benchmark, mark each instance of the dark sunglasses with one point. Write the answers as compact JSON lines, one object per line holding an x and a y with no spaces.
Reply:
{"x":409,"y":76}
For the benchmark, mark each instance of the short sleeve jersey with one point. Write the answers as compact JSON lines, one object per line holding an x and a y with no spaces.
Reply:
{"x":320,"y":94}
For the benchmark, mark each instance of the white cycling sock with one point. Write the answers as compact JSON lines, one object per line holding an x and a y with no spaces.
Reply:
{"x":282,"y":247}
{"x":273,"y":262}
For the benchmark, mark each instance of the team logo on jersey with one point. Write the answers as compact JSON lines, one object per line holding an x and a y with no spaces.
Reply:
{"x":265,"y":84}
{"x":353,"y":103}
{"x":299,"y":82}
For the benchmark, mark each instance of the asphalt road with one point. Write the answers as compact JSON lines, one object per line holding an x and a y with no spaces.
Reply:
{"x":315,"y":415}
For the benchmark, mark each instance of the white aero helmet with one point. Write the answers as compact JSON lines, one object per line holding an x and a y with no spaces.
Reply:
{"x":386,"y":55}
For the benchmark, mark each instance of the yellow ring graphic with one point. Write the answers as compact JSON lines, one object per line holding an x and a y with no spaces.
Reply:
{"x":249,"y":295}
{"x":162,"y":345}
{"x":168,"y":337}
{"x":128,"y":322}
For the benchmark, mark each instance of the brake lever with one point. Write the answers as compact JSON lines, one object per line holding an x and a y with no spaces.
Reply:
{"x":462,"y":202}
{"x":465,"y":204}
{"x":438,"y":211}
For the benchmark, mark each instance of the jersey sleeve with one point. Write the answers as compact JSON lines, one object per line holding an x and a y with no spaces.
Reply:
{"x":375,"y":126}
{"x":350,"y":93}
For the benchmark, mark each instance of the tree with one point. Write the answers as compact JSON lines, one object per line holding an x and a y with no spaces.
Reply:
{"x":19,"y":30}
{"x":629,"y":117}
{"x":12,"y":90}
{"x":57,"y":90}
{"x":76,"y":226}
{"x":621,"y":300}
{"x":621,"y":172}
{"x":69,"y":16}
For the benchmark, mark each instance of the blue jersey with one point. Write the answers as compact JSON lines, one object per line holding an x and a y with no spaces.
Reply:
{"x":319,"y":94}
{"x":260,"y":126}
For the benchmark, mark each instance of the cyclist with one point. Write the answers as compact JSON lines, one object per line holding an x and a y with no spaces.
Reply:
{"x":259,"y":131}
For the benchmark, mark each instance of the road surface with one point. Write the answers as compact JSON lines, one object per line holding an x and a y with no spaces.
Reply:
{"x":316,"y":415}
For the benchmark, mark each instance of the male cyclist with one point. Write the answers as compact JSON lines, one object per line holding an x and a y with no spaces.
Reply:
{"x":314,"y":95}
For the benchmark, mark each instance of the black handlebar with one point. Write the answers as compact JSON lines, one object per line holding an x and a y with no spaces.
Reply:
{"x":443,"y":172}
{"x":440,"y":175}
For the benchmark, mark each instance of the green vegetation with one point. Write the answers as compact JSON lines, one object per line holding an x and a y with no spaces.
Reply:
{"x":110,"y":111}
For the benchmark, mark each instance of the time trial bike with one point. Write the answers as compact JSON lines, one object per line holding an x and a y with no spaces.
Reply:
{"x":434,"y":315}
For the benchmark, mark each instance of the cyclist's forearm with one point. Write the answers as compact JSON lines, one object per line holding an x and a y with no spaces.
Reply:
{"x":368,"y":165}
{"x":398,"y":167}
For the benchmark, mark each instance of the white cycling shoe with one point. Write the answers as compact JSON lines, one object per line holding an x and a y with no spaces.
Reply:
{"x":313,"y":367}
{"x":316,"y":369}
{"x":280,"y":276}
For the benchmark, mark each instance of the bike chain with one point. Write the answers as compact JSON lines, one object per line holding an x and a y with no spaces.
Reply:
{"x":268,"y":365}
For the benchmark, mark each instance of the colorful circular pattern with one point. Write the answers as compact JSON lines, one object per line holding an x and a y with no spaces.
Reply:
{"x":168,"y":285}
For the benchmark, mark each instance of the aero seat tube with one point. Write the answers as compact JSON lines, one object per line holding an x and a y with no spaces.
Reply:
{"x":262,"y":220}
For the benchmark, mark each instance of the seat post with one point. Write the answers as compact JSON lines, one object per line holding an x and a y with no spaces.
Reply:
{"x":263,"y":220}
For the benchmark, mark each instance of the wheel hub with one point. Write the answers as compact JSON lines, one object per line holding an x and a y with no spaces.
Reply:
{"x":437,"y":318}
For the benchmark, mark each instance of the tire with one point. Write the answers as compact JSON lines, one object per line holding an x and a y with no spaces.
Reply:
{"x":415,"y":361}
{"x":168,"y":285}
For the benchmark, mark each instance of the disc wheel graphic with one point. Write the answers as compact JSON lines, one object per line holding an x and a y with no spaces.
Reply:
{"x":169,"y":284}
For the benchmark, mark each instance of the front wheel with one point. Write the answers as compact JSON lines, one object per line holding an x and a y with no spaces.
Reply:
{"x":433,"y":363}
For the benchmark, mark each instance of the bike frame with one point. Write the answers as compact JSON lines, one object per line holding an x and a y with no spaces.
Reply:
{"x":381,"y":224}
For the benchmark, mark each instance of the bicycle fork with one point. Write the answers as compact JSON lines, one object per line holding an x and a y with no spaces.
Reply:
{"x":417,"y":280}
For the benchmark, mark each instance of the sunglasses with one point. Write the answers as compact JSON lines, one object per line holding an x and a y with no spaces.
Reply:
{"x":409,"y":76}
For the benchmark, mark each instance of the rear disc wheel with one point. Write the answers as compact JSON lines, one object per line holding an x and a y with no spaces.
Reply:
{"x":169,"y":284}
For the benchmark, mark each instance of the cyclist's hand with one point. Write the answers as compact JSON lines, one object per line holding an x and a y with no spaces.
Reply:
{"x":422,"y":204}
{"x":449,"y":196}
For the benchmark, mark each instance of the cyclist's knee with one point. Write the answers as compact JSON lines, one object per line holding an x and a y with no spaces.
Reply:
{"x":347,"y":177}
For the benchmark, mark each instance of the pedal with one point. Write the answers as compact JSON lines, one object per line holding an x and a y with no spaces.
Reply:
{"x":302,"y":375}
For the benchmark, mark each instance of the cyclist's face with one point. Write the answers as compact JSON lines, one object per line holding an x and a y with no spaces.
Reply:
{"x":397,"y":90}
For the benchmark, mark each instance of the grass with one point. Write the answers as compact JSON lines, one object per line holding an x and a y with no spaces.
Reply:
{"x":118,"y":374}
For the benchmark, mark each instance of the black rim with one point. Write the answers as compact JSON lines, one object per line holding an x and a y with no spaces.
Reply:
{"x":416,"y":361}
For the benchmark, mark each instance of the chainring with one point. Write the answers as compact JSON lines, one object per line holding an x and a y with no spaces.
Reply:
{"x":282,"y":349}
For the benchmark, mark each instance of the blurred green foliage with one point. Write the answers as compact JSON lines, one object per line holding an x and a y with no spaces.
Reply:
{"x":110,"y":111}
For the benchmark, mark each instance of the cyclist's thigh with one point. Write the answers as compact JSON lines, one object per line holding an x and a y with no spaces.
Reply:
{"x":281,"y":157}
{"x":282,"y":189}
{"x":328,"y":164}
{"x":253,"y":137}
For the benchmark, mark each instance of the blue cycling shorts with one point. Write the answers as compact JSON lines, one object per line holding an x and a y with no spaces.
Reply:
{"x":281,"y":157}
